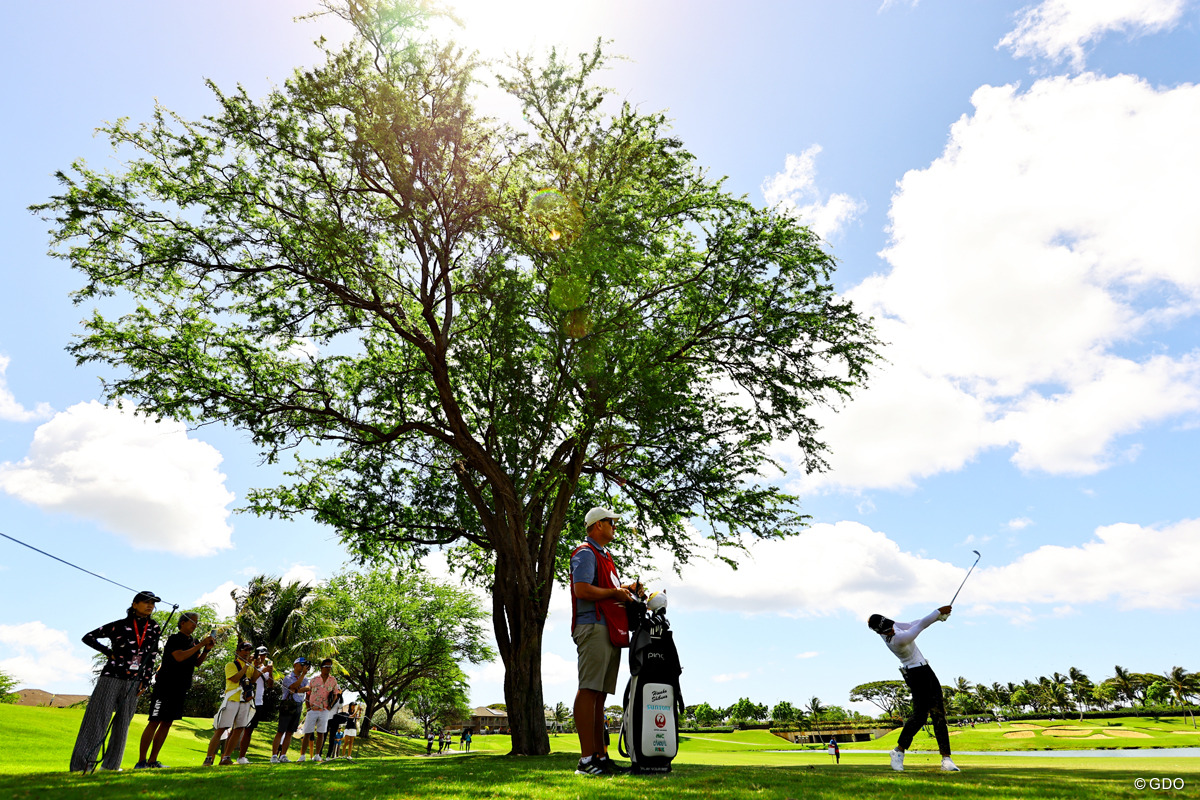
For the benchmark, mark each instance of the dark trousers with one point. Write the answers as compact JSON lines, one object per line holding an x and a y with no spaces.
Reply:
{"x":927,"y":702}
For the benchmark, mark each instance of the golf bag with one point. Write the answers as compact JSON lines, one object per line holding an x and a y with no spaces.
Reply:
{"x":649,"y":735}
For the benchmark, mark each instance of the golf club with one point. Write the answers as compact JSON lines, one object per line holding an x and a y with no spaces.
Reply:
{"x":977,"y":557}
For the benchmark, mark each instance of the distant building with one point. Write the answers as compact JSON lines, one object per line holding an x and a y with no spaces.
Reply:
{"x":38,"y":697}
{"x":489,"y":720}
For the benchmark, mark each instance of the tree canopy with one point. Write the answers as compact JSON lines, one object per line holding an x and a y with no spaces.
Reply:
{"x":468,"y":333}
{"x":399,"y":629}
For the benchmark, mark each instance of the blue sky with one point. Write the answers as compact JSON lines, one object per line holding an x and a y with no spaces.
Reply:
{"x":1009,"y":189}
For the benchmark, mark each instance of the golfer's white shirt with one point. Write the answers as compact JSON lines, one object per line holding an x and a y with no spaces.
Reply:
{"x":904,"y":643}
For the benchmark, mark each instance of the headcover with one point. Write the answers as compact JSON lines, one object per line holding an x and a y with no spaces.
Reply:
{"x":879,"y":623}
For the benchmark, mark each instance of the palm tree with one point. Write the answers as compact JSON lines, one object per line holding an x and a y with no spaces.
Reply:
{"x":815,"y":708}
{"x":1125,"y":683}
{"x":290,"y":620}
{"x":1081,"y":688}
{"x":1056,"y":695}
{"x":1183,"y":684}
{"x":561,"y":715}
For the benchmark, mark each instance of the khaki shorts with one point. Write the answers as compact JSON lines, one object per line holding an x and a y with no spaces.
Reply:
{"x":235,"y":715}
{"x":599,"y":658}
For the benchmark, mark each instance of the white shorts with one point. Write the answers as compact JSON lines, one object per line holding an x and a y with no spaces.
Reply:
{"x":317,"y":721}
{"x":235,"y":715}
{"x":350,"y":733}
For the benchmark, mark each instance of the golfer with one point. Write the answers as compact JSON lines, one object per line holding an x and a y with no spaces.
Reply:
{"x":125,"y":676}
{"x":600,"y":629}
{"x":901,"y":639}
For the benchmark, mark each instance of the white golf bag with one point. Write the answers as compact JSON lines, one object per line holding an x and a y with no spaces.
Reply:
{"x":649,"y":735}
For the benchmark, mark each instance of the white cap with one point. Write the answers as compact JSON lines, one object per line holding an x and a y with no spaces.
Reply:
{"x":598,"y":513}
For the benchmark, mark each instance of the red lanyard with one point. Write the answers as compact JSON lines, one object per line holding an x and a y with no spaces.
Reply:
{"x":142,"y":636}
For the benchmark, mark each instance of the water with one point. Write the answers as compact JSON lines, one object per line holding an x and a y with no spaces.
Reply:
{"x":1147,"y":752}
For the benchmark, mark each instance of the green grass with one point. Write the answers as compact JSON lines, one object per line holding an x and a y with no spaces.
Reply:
{"x":45,"y":737}
{"x":735,"y":766}
{"x":1125,"y":733}
{"x":551,"y":778}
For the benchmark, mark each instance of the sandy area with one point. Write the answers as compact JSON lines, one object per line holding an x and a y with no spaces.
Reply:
{"x":1067,"y":732}
{"x":1130,"y":734}
{"x":1020,"y":735}
{"x":1097,"y":736}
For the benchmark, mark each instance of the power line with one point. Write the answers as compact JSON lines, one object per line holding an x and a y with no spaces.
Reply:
{"x":68,"y":563}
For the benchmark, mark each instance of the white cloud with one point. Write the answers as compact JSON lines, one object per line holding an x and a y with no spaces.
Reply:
{"x":220,"y":598}
{"x":1033,"y":268}
{"x":795,"y":191}
{"x":149,"y":483}
{"x":730,"y":676}
{"x":1019,"y":523}
{"x":304,"y":573}
{"x":38,"y":656}
{"x":10,"y":409}
{"x":1134,"y":565}
{"x":1058,"y":29}
{"x":835,"y":568}
{"x":809,"y":654}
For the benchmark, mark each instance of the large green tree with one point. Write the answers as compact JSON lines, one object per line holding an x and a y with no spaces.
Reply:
{"x":893,"y":698}
{"x":468,"y":334}
{"x":399,"y":628}
{"x":7,"y":686}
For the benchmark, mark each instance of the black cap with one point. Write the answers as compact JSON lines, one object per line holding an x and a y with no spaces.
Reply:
{"x":879,"y":623}
{"x":327,"y":662}
{"x":244,"y":646}
{"x":146,"y":597}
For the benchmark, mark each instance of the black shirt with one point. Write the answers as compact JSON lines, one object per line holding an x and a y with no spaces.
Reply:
{"x":134,"y":643}
{"x":177,"y":674}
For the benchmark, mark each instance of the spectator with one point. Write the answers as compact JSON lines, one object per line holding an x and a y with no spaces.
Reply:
{"x":336,"y":721}
{"x":264,"y":681}
{"x":181,"y":655}
{"x":354,"y":715}
{"x":429,"y":743}
{"x":295,"y":689}
{"x":237,"y":706}
{"x":467,"y":740}
{"x":126,"y":674}
{"x":323,"y":689}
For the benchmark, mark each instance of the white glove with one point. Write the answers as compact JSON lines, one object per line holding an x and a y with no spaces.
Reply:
{"x":943,"y":617}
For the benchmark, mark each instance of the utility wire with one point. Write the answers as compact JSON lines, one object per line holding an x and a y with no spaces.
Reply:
{"x":68,"y":563}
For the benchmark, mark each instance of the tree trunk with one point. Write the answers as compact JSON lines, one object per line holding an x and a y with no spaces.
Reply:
{"x":518,"y":616}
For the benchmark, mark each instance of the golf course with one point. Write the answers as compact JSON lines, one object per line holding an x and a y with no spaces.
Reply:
{"x":744,"y":764}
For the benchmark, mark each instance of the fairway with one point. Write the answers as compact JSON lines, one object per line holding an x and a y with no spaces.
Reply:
{"x":737,"y":765}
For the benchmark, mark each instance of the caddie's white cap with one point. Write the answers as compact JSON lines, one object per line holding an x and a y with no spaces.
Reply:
{"x":598,"y":513}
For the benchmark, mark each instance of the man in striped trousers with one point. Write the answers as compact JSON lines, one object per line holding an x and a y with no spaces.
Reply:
{"x":133,"y":647}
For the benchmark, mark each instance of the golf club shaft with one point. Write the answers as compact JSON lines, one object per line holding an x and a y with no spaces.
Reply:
{"x":964,"y":581}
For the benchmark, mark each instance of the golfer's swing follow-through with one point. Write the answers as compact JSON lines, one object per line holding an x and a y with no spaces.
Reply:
{"x":901,"y":639}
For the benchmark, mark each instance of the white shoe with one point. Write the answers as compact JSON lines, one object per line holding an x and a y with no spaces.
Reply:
{"x":274,"y":759}
{"x":106,"y":769}
{"x":318,"y":759}
{"x":283,"y":759}
{"x":300,"y":760}
{"x":242,"y":760}
{"x":897,"y":760}
{"x":948,"y":765}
